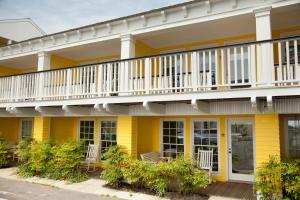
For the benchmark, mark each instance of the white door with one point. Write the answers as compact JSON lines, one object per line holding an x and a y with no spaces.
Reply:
{"x":241,"y":149}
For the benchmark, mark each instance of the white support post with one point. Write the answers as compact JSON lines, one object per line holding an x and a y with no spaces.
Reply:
{"x":264,"y":32}
{"x":43,"y":64}
{"x":127,"y":51}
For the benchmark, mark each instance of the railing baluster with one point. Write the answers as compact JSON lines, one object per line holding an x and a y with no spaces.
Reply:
{"x":235,"y":65}
{"x":210,"y":69}
{"x":288,"y":77}
{"x":242,"y":65}
{"x":228,"y":67}
{"x":204,"y":70}
{"x":216,"y":68}
{"x":297,"y":68}
{"x":279,"y":71}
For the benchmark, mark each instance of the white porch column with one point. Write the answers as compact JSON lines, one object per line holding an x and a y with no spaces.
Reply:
{"x":127,"y":51}
{"x":44,"y":59}
{"x":127,"y":46}
{"x":265,"y":62}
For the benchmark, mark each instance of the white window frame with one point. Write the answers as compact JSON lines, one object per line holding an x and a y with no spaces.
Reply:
{"x":86,"y":119}
{"x":99,"y":132}
{"x":193,"y":120}
{"x":286,"y":134}
{"x":184,"y":133}
{"x":20,"y":128}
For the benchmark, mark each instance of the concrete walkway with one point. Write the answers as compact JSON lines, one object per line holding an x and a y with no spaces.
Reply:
{"x":90,"y":186}
{"x":22,"y":190}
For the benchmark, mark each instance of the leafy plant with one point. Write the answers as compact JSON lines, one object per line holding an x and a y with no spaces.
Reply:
{"x":40,"y":157}
{"x":268,"y":179}
{"x":66,"y":162}
{"x":113,"y":161}
{"x":3,"y":153}
{"x":277,"y":179}
{"x":24,"y":149}
{"x":190,"y":177}
{"x":157,"y":177}
{"x":46,"y":159}
{"x":290,"y":171}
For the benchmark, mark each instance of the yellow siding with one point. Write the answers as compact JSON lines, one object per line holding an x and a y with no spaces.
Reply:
{"x":4,"y":71}
{"x":61,"y":62}
{"x":63,"y":128}
{"x":266,"y":136}
{"x":9,"y":129}
{"x":41,"y":130}
{"x":127,"y":134}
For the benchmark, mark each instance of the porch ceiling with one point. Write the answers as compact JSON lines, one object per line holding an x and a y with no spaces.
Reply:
{"x":20,"y":62}
{"x":212,"y":30}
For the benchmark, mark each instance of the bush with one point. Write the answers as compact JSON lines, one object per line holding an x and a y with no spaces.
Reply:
{"x":3,"y":153}
{"x":291,"y":179}
{"x":157,"y":177}
{"x":189,"y":176}
{"x":113,"y":161}
{"x":66,"y":162}
{"x":46,"y":159}
{"x":24,"y":149}
{"x":276,"y":180}
{"x":40,"y":157}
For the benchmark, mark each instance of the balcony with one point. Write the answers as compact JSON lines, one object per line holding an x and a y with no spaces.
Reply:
{"x":242,"y":68}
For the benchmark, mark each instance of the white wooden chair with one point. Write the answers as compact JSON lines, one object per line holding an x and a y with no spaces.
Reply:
{"x":153,"y":157}
{"x":205,"y":161}
{"x":92,"y":156}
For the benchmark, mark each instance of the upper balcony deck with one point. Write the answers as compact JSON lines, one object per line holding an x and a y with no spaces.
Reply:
{"x":233,"y":71}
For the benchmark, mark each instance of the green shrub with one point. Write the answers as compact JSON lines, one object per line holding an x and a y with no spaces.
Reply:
{"x":46,"y":159}
{"x":157,"y":177}
{"x":291,"y":179}
{"x":113,"y":161}
{"x":24,"y":149}
{"x":275,"y":179}
{"x":190,"y":177}
{"x":3,"y":153}
{"x":66,"y":162}
{"x":41,"y":157}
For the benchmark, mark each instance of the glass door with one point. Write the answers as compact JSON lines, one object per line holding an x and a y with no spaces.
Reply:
{"x":240,"y":150}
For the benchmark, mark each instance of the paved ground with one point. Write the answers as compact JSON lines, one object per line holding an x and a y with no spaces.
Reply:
{"x":19,"y":190}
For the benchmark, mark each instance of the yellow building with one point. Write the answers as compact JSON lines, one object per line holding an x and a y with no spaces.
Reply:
{"x":221,"y":76}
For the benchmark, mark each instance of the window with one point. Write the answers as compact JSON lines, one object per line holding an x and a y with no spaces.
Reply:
{"x":108,"y":134}
{"x":86,"y":132}
{"x":172,"y":138}
{"x":205,"y":137}
{"x":293,"y":138}
{"x":26,"y":128}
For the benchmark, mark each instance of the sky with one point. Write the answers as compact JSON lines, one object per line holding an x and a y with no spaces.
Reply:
{"x":58,"y":15}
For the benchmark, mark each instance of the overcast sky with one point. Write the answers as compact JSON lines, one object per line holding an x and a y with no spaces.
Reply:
{"x":57,"y":15}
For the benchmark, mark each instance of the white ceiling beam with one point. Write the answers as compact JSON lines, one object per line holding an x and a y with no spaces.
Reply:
{"x":164,"y":16}
{"x":4,"y":113}
{"x":234,"y":4}
{"x":79,"y":110}
{"x":66,"y":37}
{"x":208,"y":6}
{"x":201,"y":106}
{"x":116,"y":109}
{"x":109,"y":28}
{"x":154,"y":107}
{"x":185,"y":11}
{"x":22,"y":111}
{"x":270,"y":104}
{"x":100,"y":108}
{"x":79,"y":34}
{"x":49,"y":111}
{"x":256,"y":104}
{"x":144,"y":20}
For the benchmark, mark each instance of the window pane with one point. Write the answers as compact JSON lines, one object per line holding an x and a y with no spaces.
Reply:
{"x":173,"y":138}
{"x":293,"y":138}
{"x":206,"y":138}
{"x":108,"y":135}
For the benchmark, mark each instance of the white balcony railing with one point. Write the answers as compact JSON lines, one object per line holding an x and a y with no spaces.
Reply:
{"x":220,"y":68}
